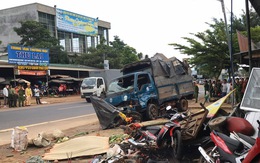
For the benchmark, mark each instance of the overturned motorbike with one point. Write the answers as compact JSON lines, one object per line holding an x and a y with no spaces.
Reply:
{"x":156,"y":139}
{"x":240,"y":148}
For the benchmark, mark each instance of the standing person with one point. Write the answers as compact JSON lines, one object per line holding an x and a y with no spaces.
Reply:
{"x":60,"y":89}
{"x":64,"y":90}
{"x":210,"y":89}
{"x":37,"y":94}
{"x":15,"y":96}
{"x":224,"y":88}
{"x":11,"y":96}
{"x":196,"y":91}
{"x":218,"y":88}
{"x":21,"y":96}
{"x":206,"y":97}
{"x":28,"y":94}
{"x":238,"y":88}
{"x":206,"y":87}
{"x":5,"y":92}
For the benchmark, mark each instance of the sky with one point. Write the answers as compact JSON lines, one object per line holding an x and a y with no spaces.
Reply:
{"x":147,"y":25}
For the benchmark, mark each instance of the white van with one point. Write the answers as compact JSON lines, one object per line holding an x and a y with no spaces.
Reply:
{"x":92,"y":85}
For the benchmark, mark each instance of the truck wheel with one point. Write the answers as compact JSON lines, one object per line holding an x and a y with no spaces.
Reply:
{"x":182,"y":105}
{"x":88,"y":100}
{"x":151,"y":111}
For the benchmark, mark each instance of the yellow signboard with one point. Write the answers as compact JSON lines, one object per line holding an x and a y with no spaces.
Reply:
{"x":33,"y":67}
{"x":214,"y":107}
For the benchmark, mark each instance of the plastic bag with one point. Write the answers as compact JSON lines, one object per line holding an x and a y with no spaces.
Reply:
{"x":19,"y":140}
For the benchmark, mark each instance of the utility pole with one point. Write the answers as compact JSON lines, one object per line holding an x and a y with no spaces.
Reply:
{"x":248,"y":36}
{"x":229,"y":39}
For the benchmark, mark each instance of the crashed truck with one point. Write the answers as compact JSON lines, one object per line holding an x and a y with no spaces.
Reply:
{"x":149,"y":85}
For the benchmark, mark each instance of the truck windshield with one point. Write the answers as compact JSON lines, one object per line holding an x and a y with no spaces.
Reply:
{"x":89,"y":82}
{"x":121,"y":84}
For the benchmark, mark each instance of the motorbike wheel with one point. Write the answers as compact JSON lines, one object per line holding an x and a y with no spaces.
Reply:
{"x":177,"y":145}
{"x":209,"y":151}
{"x":152,"y":111}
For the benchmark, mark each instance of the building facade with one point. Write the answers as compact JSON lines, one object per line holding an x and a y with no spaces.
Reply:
{"x":73,"y":39}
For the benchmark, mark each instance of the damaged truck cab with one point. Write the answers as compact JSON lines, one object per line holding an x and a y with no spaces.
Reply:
{"x":148,"y":86}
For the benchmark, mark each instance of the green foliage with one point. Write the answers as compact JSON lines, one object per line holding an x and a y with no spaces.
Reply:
{"x":209,"y":49}
{"x":118,"y":55}
{"x":210,"y":53}
{"x":34,"y":34}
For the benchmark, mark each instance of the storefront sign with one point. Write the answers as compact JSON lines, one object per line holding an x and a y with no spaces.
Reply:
{"x":22,"y":55}
{"x":32,"y":67}
{"x":72,"y":22}
{"x":28,"y":72}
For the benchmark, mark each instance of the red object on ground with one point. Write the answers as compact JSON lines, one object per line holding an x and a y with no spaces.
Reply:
{"x":240,"y":125}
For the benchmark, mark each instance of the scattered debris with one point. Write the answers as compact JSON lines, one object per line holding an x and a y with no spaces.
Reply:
{"x":34,"y":159}
{"x":40,"y":141}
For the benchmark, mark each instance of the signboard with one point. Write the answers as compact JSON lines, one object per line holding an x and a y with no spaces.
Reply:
{"x":28,"y":56}
{"x":72,"y":22}
{"x":32,"y":67}
{"x":28,"y":72}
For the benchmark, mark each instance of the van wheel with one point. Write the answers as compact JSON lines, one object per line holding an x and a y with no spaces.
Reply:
{"x":151,"y":111}
{"x":88,"y":100}
{"x":182,"y":105}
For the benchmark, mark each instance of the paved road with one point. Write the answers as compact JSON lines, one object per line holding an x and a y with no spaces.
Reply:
{"x":45,"y":118}
{"x":43,"y":113}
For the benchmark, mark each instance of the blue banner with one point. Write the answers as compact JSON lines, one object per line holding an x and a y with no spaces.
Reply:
{"x":22,"y":55}
{"x":71,"y":22}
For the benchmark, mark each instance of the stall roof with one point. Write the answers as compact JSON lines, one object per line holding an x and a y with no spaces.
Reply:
{"x":71,"y":67}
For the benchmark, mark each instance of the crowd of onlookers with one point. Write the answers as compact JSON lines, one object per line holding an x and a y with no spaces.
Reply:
{"x":218,"y":89}
{"x":20,"y":95}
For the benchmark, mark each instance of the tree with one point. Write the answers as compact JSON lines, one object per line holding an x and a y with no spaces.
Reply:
{"x":34,"y":34}
{"x":209,"y":49}
{"x":118,"y":54}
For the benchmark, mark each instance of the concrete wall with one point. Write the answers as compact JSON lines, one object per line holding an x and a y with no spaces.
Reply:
{"x":10,"y":18}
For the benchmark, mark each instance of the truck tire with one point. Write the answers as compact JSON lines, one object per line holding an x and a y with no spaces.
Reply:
{"x":182,"y":105}
{"x":151,"y":111}
{"x":88,"y":100}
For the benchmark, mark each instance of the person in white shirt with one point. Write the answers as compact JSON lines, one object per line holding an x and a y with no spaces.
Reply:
{"x":224,"y":88}
{"x":5,"y":92}
{"x":37,"y":94}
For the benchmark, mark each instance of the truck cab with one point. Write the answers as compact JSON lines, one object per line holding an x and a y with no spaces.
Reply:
{"x":92,"y":86}
{"x":134,"y":91}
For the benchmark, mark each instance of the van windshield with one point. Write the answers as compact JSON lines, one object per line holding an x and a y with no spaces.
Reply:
{"x":89,"y":82}
{"x":121,"y":84}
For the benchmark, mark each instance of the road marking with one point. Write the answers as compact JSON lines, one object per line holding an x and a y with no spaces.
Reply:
{"x":37,"y":124}
{"x":70,"y":107}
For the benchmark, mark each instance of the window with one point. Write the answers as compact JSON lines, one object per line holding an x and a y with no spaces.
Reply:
{"x":143,"y":80}
{"x":48,"y":21}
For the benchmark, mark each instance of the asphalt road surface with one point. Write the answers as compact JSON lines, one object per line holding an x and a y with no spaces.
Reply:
{"x":23,"y":116}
